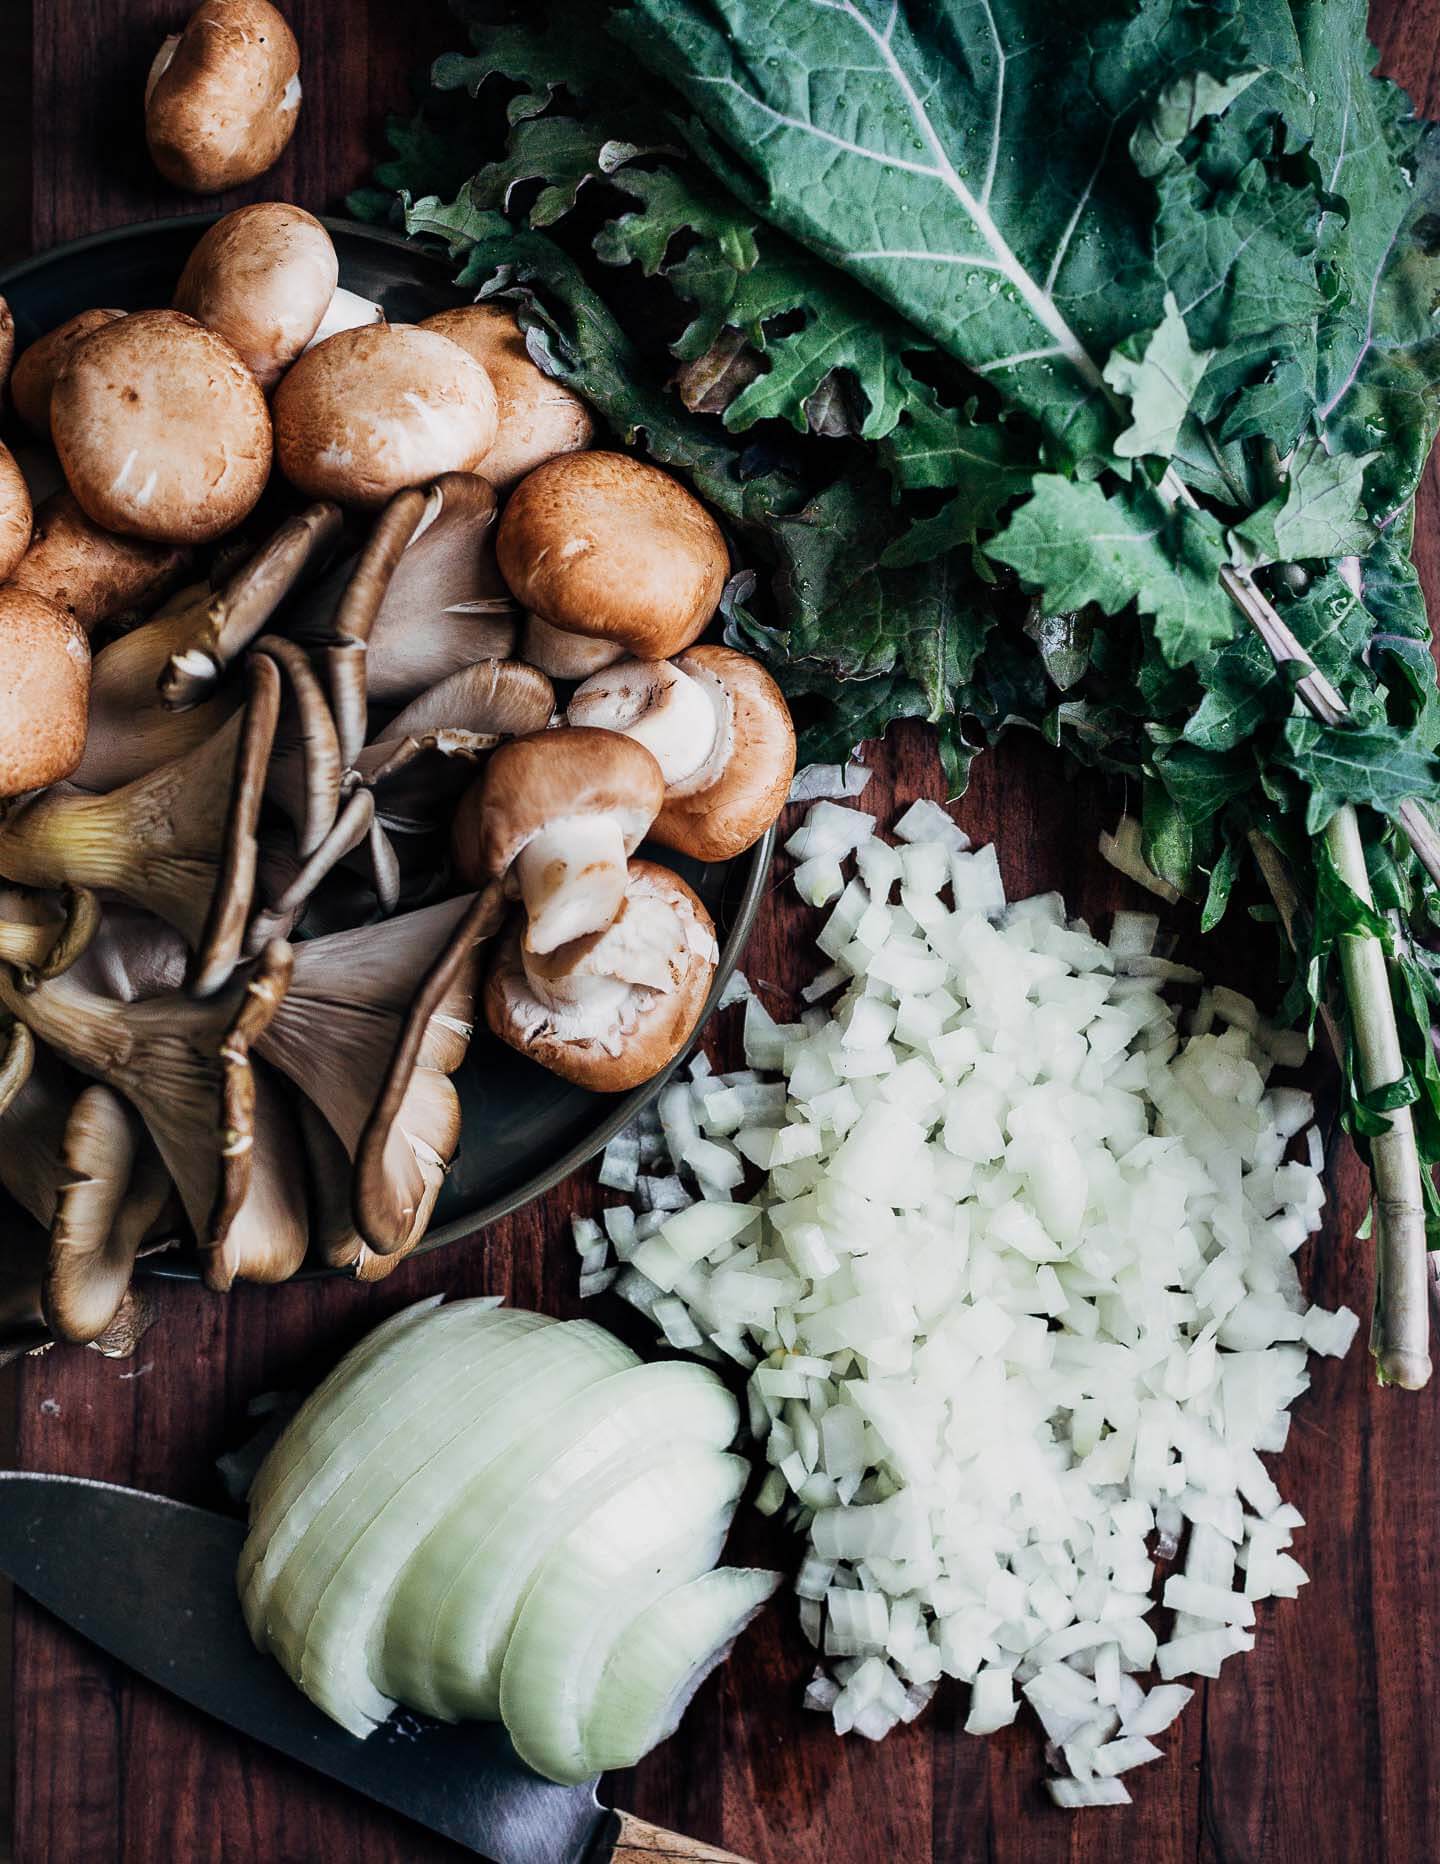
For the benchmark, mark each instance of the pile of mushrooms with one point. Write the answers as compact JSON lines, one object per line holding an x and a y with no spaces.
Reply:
{"x":287,"y":790}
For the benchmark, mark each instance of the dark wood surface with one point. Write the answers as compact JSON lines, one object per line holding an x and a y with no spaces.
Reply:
{"x":1323,"y":1747}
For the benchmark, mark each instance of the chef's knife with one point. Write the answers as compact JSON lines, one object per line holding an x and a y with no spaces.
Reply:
{"x":161,"y":1598}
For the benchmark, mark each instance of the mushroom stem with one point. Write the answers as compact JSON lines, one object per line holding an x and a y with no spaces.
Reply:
{"x":681,"y":721}
{"x":572,"y":879}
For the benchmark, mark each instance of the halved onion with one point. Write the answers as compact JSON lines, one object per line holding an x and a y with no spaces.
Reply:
{"x":665,"y":1655}
{"x":451,"y":1618}
{"x":660,"y":1531}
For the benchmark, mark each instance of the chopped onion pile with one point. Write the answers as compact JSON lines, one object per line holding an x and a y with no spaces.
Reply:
{"x":1017,"y":1295}
{"x":488,"y":1513}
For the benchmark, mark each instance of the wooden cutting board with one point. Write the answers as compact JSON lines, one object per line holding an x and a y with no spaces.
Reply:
{"x":1321,"y":1748}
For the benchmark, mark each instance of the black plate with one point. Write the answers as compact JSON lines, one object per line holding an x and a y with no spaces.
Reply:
{"x":524,"y":1129}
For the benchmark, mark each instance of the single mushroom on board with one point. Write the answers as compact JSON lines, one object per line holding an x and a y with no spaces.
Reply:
{"x":267,"y":279}
{"x":78,"y":1159}
{"x":609,"y":1011}
{"x":32,"y":382}
{"x":44,"y":693}
{"x":363,"y":1029}
{"x":372,"y":410}
{"x":422,"y":600}
{"x":184,"y":1063}
{"x":93,"y":574}
{"x":607,"y":547}
{"x":721,"y":732}
{"x":16,"y":513}
{"x":178,"y":842}
{"x":539,"y":417}
{"x":162,"y":431}
{"x":556,"y":816}
{"x":222,"y":96}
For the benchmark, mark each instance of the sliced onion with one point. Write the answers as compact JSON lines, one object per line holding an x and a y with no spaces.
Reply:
{"x":377,"y":1386}
{"x":341,"y":1590}
{"x":666,"y":1654}
{"x":661,"y":1531}
{"x":457,"y":1603}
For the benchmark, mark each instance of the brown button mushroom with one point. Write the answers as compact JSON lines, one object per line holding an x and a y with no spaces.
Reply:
{"x":539,"y":417}
{"x":44,"y":692}
{"x":558,"y":813}
{"x":264,"y":278}
{"x":222,"y":96}
{"x":161,"y":429}
{"x":371,"y":411}
{"x":602,"y":545}
{"x":16,"y":515}
{"x":611,"y":1010}
{"x":91,"y":573}
{"x":33,"y":380}
{"x":720,"y":730}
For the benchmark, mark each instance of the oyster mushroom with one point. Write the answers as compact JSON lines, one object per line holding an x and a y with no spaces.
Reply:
{"x":267,"y":1238}
{"x":604,"y":546}
{"x":162,"y":431}
{"x":91,"y":573}
{"x":372,"y":410}
{"x":43,"y":934}
{"x":179,"y":842}
{"x":538,"y":416}
{"x":44,"y":693}
{"x":222,"y":96}
{"x":555,"y":816}
{"x":303,"y":777}
{"x":32,"y":381}
{"x":17,"y":1060}
{"x":285,"y":881}
{"x":340,"y":1244}
{"x":609,"y":1011}
{"x":266,"y":278}
{"x":720,"y":730}
{"x":24,"y":1255}
{"x":16,"y":515}
{"x":562,"y":655}
{"x":422,"y":600}
{"x":374,"y":1020}
{"x":184,"y":1063}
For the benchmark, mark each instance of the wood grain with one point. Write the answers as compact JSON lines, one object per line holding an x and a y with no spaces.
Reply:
{"x":1320,"y":1748}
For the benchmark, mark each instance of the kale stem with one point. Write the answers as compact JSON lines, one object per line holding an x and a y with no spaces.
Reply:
{"x":1402,"y":1308}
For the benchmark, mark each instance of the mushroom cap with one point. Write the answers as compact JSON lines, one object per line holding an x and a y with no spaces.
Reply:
{"x":91,"y":573}
{"x":263,"y":277}
{"x":565,"y":656}
{"x":380,"y":407}
{"x":32,"y":382}
{"x":44,"y":692}
{"x":546,"y":777}
{"x":7,"y":344}
{"x":161,"y":429}
{"x":654,"y":1025}
{"x":726,"y":816}
{"x":221,"y":99}
{"x":539,"y":417}
{"x":601,"y":544}
{"x":16,"y":515}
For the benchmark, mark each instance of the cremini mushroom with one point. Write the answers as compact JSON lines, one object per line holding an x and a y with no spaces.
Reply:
{"x":538,"y":416}
{"x":184,"y":1063}
{"x":610,"y":1010}
{"x":161,"y":429}
{"x":222,"y":96}
{"x":372,"y":410}
{"x":720,"y":730}
{"x":178,"y":842}
{"x":32,"y":381}
{"x":422,"y":600}
{"x":44,"y":692}
{"x":91,"y":573}
{"x":266,"y":278}
{"x":602,"y":545}
{"x":555,"y":816}
{"x":374,"y":1021}
{"x":16,"y":513}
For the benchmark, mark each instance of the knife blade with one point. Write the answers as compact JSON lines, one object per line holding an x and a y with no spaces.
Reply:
{"x":464,"y":1781}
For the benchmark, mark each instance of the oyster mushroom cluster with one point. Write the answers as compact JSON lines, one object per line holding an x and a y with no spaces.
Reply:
{"x":288,"y":793}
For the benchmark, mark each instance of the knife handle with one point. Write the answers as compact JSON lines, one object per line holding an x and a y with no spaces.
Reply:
{"x":639,"y":1843}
